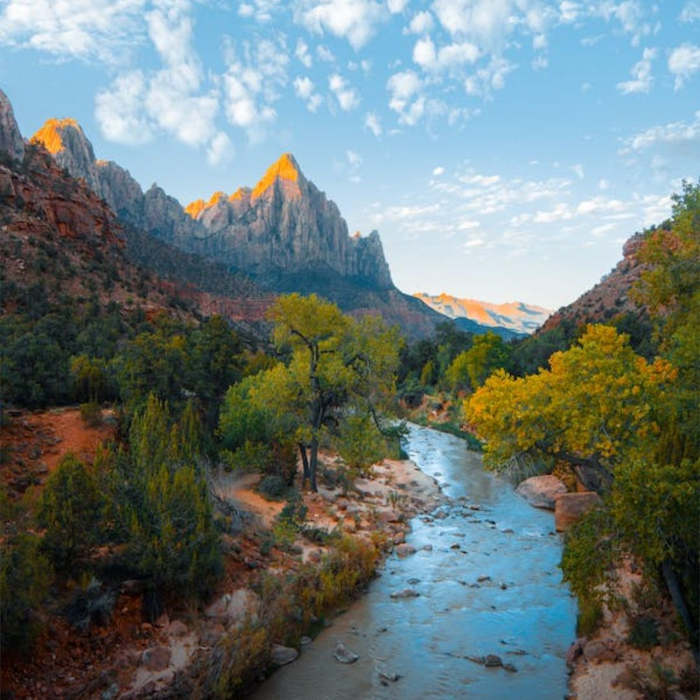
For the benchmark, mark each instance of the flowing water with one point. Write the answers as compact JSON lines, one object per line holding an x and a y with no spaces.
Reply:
{"x":522,"y":612}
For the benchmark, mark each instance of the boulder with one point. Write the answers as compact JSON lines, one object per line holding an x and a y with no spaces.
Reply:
{"x":541,"y":491}
{"x":233,"y":607}
{"x":405,"y":593}
{"x":404,"y":550}
{"x":493,"y":661}
{"x":575,"y":650}
{"x":281,"y":655}
{"x":344,"y":655}
{"x":156,"y":658}
{"x":571,"y":506}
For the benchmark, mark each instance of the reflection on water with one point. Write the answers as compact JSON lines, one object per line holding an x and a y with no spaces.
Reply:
{"x":521,"y":612}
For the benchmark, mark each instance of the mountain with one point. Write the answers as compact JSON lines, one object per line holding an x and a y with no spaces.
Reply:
{"x":511,"y":319}
{"x":59,"y":239}
{"x":284,"y":233}
{"x":611,"y":296}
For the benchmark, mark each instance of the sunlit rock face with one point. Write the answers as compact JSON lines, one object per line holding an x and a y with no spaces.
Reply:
{"x":284,"y":233}
{"x":285,"y":224}
{"x":11,"y":141}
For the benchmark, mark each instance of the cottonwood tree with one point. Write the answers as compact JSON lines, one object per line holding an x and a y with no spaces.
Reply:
{"x":337,"y":365}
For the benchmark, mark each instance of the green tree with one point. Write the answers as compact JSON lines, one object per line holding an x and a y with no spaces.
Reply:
{"x":336,"y":362}
{"x":69,"y":510}
{"x":488,"y":353}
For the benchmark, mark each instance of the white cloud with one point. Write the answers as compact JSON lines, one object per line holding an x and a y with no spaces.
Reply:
{"x":354,"y":20}
{"x":325,"y":54}
{"x":396,"y":6}
{"x":354,"y":158}
{"x":578,"y":169}
{"x":641,"y":75}
{"x":302,"y":53}
{"x":220,"y":149}
{"x":405,"y":98}
{"x":438,"y":171}
{"x":304,"y":89}
{"x":446,"y":58}
{"x":569,"y":11}
{"x":631,"y":16}
{"x":120,"y":110}
{"x":561,"y":212}
{"x":346,"y":95}
{"x":256,"y":73}
{"x":684,"y":62}
{"x":169,"y":99}
{"x":474,"y":242}
{"x":491,"y":77}
{"x":539,"y":63}
{"x":373,"y":123}
{"x":261,"y":10}
{"x":85,"y":29}
{"x":422,"y":22}
{"x":682,"y":137}
{"x":603,"y":184}
{"x":690,"y":12}
{"x":601,"y":230}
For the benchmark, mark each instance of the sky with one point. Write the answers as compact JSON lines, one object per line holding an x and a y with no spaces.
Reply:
{"x":504,"y":149}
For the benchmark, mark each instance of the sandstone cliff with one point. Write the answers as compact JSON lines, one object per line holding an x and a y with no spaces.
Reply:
{"x":284,"y":233}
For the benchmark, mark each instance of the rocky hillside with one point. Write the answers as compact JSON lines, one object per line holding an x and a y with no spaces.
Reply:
{"x":610,"y":297}
{"x":59,"y":239}
{"x":517,"y":317}
{"x":284,"y":233}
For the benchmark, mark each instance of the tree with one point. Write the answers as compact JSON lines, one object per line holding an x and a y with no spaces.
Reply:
{"x":592,"y":408}
{"x":488,"y":353}
{"x":336,"y":362}
{"x":69,"y":510}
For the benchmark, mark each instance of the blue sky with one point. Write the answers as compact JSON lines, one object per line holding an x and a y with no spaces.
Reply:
{"x":504,"y":149}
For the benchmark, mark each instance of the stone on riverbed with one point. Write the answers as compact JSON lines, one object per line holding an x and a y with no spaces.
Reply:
{"x":571,"y":506}
{"x":344,"y":655}
{"x":405,"y":593}
{"x":404,"y":550}
{"x":541,"y":491}
{"x":280,"y":655}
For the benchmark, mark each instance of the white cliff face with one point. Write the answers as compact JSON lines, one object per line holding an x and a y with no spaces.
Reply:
{"x":11,"y":140}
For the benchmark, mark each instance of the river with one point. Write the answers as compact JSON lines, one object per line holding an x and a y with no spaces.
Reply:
{"x":522,"y":612}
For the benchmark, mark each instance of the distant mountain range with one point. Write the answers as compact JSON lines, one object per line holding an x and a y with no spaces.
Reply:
{"x":510,"y":319}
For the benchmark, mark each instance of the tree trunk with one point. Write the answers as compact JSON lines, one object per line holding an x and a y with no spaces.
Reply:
{"x":674,"y":589}
{"x":304,"y":462}
{"x":313,"y":463}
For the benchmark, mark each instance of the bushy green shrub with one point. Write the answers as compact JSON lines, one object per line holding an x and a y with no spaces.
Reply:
{"x":644,"y":633}
{"x":69,"y":510}
{"x":91,"y":414}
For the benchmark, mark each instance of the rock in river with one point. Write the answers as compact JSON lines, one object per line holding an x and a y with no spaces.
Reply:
{"x":542,"y":491}
{"x":405,"y":593}
{"x":344,"y":655}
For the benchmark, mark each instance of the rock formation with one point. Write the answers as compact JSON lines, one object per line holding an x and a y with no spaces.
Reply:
{"x":11,"y":140}
{"x":284,"y":233}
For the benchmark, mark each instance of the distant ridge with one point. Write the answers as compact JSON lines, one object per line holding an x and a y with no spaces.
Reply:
{"x":517,"y":317}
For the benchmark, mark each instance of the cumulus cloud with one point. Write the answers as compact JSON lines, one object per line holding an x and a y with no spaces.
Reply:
{"x":420,"y":23}
{"x":680,"y":137}
{"x":170,"y":99}
{"x":439,"y":170}
{"x":261,"y":10}
{"x":84,"y":29}
{"x":252,"y":83}
{"x":396,"y":6}
{"x":641,"y":75}
{"x":220,"y":149}
{"x":354,"y":20}
{"x":447,"y":57}
{"x":302,"y":53}
{"x":690,"y":12}
{"x":304,"y":89}
{"x":373,"y":123}
{"x":490,"y":77}
{"x":631,"y":16}
{"x":405,"y":98}
{"x":684,"y":62}
{"x":346,"y":95}
{"x":120,"y":110}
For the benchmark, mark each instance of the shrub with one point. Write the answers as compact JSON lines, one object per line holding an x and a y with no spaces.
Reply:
{"x":273,"y":487}
{"x":643,"y":632}
{"x":91,"y":414}
{"x":69,"y":509}
{"x":24,"y":581}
